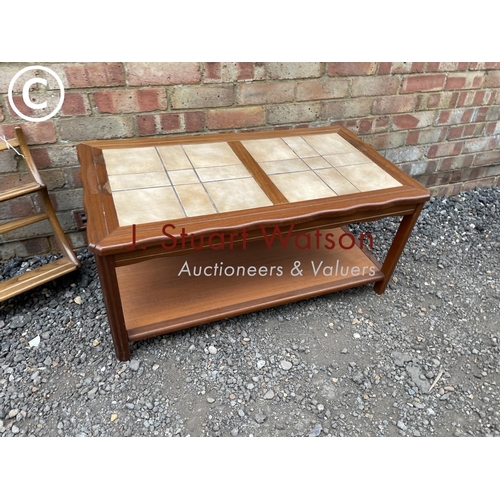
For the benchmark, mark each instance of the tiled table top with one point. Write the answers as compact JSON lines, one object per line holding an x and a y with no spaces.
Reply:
{"x":150,"y":184}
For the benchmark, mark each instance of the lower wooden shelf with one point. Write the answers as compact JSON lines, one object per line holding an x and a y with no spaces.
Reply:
{"x":178,"y":291}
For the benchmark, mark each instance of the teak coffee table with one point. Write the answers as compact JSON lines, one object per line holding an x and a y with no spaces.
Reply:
{"x":192,"y":229}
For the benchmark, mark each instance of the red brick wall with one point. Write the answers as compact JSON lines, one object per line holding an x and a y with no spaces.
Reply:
{"x":439,"y":122}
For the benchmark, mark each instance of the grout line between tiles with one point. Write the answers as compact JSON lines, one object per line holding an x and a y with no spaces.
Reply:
{"x":201,"y":182}
{"x":170,"y":180}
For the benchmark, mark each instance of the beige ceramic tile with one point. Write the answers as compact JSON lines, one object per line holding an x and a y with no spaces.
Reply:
{"x":282,"y":166}
{"x":237,"y":194}
{"x":268,"y":150}
{"x":195,"y":200}
{"x":174,"y":157}
{"x":138,"y":181}
{"x":329,"y":144}
{"x":337,"y":181}
{"x":139,"y":206}
{"x":317,"y":162}
{"x":221,"y":173}
{"x":301,"y":186}
{"x":368,"y":177}
{"x":300,"y":147}
{"x":183,"y":177}
{"x":131,"y":161}
{"x":213,"y":154}
{"x":345,"y":159}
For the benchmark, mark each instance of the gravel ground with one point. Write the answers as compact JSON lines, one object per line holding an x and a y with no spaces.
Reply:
{"x":420,"y":360}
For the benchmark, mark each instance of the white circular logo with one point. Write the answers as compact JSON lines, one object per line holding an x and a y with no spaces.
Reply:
{"x":26,"y":97}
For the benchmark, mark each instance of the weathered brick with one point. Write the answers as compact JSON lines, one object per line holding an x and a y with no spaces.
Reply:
{"x":492,"y":79}
{"x":381,"y":124}
{"x":445,"y":191}
{"x":12,"y":180}
{"x":433,"y":66}
{"x":208,"y":96}
{"x":375,"y":85}
{"x":415,"y":168}
{"x":423,"y":83}
{"x":486,"y":183}
{"x":21,"y":249}
{"x":484,"y":65}
{"x":8,"y":161}
{"x":404,"y":154}
{"x":479,"y":144}
{"x":393,"y":104}
{"x":90,"y":75}
{"x":491,"y":170}
{"x":163,"y":73}
{"x":53,"y":178}
{"x":445,"y":149}
{"x":384,"y":68}
{"x":146,"y":125}
{"x":72,"y":177}
{"x":401,"y":67}
{"x":386,"y":141}
{"x":265,"y":93}
{"x":130,"y":101}
{"x":194,"y":121}
{"x":464,"y":81}
{"x":75,"y":105}
{"x":63,"y":156}
{"x":17,"y":207}
{"x":430,"y":135}
{"x":475,"y":98}
{"x":7,"y":73}
{"x":466,"y":174}
{"x":293,"y":70}
{"x":451,"y":116}
{"x":293,"y":113}
{"x":448,"y":66}
{"x":41,"y":157}
{"x":78,"y":240}
{"x":171,"y":122}
{"x":417,"y":67}
{"x":351,"y":68}
{"x":439,"y":100}
{"x":95,"y":128}
{"x":35,"y":132}
{"x":456,"y":132}
{"x":455,"y":162}
{"x":480,"y":114}
{"x":50,"y":98}
{"x":487,"y":158}
{"x":322,"y":89}
{"x":68,"y":199}
{"x":491,"y":128}
{"x":421,"y":119}
{"x":346,"y":108}
{"x":27,"y":232}
{"x":212,"y":72}
{"x":233,"y":118}
{"x":229,"y":72}
{"x":493,"y":113}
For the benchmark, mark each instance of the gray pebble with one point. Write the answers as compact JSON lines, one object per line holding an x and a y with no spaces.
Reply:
{"x":269,"y":394}
{"x":285,"y":365}
{"x":316,"y":431}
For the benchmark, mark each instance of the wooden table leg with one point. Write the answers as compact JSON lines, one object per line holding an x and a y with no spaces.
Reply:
{"x":111,"y":293}
{"x":397,"y":247}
